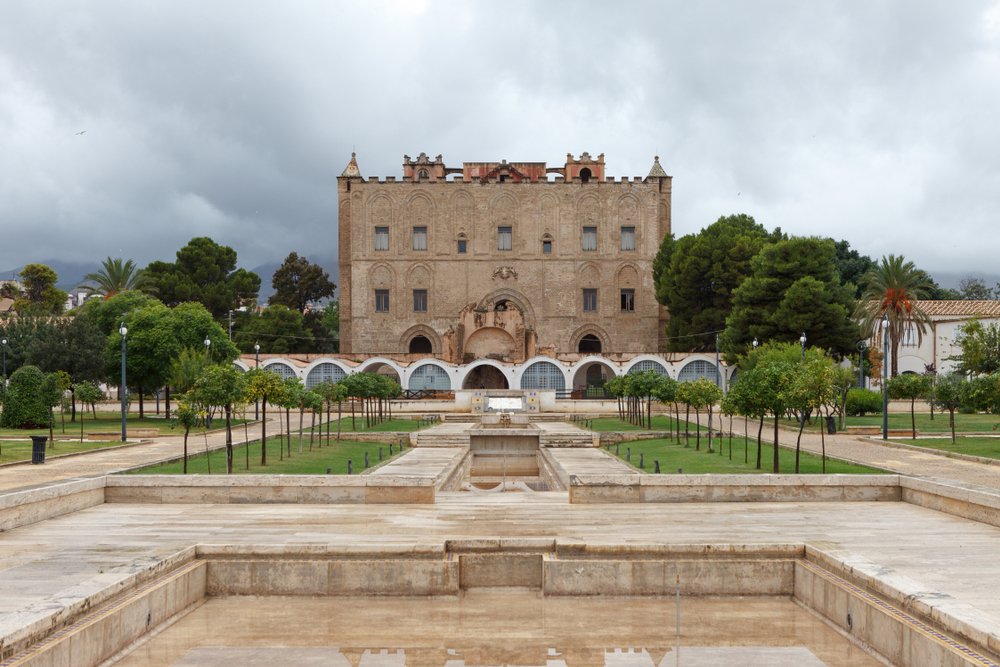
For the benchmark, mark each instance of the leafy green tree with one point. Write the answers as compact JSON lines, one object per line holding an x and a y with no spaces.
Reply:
{"x":333,"y":392}
{"x":187,"y":417}
{"x":278,"y":330}
{"x":662,"y":281}
{"x":298,"y":283}
{"x":704,"y":270}
{"x":205,"y":272}
{"x":290,"y":397}
{"x":71,"y":345}
{"x":114,"y":277}
{"x":950,"y":393}
{"x":983,"y":394}
{"x":187,"y":367}
{"x":89,"y":394}
{"x":26,"y":402}
{"x":38,"y":294}
{"x":665,"y":390}
{"x":810,"y":389}
{"x":910,"y":386}
{"x":975,"y":289}
{"x":893,"y":290}
{"x":980,"y":348}
{"x":852,"y":266}
{"x":701,"y":394}
{"x":221,"y":386}
{"x":107,"y":314}
{"x":794,"y":288}
{"x":262,"y":385}
{"x":326,"y":327}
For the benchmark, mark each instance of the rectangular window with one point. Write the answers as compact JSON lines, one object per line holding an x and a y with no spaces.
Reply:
{"x":462,"y":243}
{"x":628,"y":238}
{"x":589,"y":300}
{"x":381,"y":301}
{"x":505,"y":238}
{"x":420,"y":301}
{"x":381,"y":238}
{"x":628,"y":300}
{"x":546,"y":247}
{"x":420,"y":238}
{"x":590,"y":238}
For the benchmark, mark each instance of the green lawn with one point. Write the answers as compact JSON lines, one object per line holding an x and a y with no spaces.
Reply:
{"x":315,"y":462}
{"x":901,"y":420}
{"x":660,"y":423}
{"x":672,"y":456}
{"x":20,"y":450}
{"x":110,"y":422}
{"x":967,"y":444}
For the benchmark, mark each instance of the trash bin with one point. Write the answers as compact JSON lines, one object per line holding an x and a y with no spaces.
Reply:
{"x":831,"y":425}
{"x":38,"y":448}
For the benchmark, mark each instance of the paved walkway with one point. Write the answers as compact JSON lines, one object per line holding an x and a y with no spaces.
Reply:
{"x":860,"y":449}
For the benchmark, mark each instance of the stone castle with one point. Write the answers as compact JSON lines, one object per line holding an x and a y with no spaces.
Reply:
{"x":501,"y":260}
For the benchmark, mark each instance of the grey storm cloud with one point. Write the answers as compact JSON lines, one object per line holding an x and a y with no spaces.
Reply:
{"x":875,"y":122}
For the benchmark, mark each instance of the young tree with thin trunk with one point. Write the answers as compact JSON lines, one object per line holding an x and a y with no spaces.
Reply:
{"x":910,"y":386}
{"x":262,"y":385}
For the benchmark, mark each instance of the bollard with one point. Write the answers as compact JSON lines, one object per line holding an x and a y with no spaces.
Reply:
{"x":680,"y":471}
{"x":380,"y":454}
{"x":366,"y":460}
{"x":329,"y":471}
{"x":390,"y":449}
{"x":617,"y":451}
{"x":642,"y":463}
{"x":656,"y":466}
{"x":628,"y":453}
{"x":349,"y":467}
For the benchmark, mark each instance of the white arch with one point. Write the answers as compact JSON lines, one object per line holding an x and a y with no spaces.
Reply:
{"x":239,"y":363}
{"x":702,"y":359}
{"x":669,"y":366}
{"x":521,"y":368}
{"x":319,"y":362}
{"x":449,"y":372}
{"x":578,"y":366}
{"x":296,"y":371}
{"x":464,"y":371}
{"x":375,"y":361}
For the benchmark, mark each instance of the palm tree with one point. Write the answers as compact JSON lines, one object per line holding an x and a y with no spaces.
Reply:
{"x":115,"y":276}
{"x":893,"y":289}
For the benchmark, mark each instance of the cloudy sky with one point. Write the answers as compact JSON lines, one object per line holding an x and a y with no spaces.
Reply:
{"x":878,"y":122}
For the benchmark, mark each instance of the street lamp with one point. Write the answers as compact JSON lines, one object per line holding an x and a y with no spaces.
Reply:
{"x":885,"y":377}
{"x":123,"y":391}
{"x":802,"y":339}
{"x":755,"y":343}
{"x":861,"y":363}
{"x":3,"y":344}
{"x":208,"y":345}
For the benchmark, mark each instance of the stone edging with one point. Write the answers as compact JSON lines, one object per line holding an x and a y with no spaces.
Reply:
{"x":936,"y":452}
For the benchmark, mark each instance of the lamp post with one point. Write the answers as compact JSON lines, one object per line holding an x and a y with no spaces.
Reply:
{"x":885,"y":377}
{"x":718,"y":368}
{"x":123,"y":391}
{"x":256,"y":363}
{"x":208,"y":345}
{"x":861,"y":363}
{"x":802,"y":339}
{"x":3,"y":344}
{"x":755,"y":343}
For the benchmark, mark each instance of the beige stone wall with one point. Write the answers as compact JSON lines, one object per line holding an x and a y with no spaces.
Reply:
{"x":546,"y":288}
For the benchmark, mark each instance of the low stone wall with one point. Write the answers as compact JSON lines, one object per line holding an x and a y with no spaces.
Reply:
{"x":268,"y":489}
{"x":20,"y":508}
{"x":640,"y":488}
{"x":952,"y":498}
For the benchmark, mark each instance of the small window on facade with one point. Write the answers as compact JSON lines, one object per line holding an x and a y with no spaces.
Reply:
{"x":381,"y":301}
{"x":462,"y":246}
{"x":381,"y":238}
{"x":422,"y":174}
{"x":585,"y":175}
{"x":547,"y":247}
{"x":628,"y":238}
{"x":420,"y":301}
{"x":420,"y":238}
{"x":505,"y":238}
{"x":589,"y":300}
{"x":628,"y":300}
{"x":590,"y":238}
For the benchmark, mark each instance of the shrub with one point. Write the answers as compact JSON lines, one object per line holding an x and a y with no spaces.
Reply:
{"x":861,"y":402}
{"x":27,"y":401}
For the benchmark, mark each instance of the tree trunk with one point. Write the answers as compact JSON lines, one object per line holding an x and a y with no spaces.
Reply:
{"x":142,"y":408}
{"x":822,"y":440}
{"x":338,"y":423}
{"x":951,"y":421}
{"x":166,"y":395}
{"x":186,"y":431}
{"x":302,"y":420}
{"x":246,"y":442}
{"x":798,"y":442}
{"x":687,"y":424}
{"x":353,"y":425}
{"x":229,"y":439}
{"x":776,"y":464}
{"x":208,"y":455}
{"x":697,"y":430}
{"x":760,"y":431}
{"x":72,"y":404}
{"x":312,"y":428}
{"x":263,"y":431}
{"x":288,"y":430}
{"x":913,"y":417}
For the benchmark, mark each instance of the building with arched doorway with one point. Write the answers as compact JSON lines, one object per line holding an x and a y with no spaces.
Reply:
{"x":501,"y":262}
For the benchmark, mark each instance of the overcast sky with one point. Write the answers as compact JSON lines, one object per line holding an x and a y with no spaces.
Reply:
{"x":878,"y":122}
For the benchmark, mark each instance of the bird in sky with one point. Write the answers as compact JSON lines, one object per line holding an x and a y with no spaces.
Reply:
{"x":81,"y":132}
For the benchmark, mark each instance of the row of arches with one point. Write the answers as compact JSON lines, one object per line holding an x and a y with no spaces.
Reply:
{"x":541,"y":373}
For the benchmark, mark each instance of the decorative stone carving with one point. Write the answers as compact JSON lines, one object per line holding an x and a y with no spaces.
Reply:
{"x":505,"y":273}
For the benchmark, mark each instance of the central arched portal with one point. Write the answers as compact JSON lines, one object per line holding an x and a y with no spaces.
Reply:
{"x":485,"y":377}
{"x":492,"y":342}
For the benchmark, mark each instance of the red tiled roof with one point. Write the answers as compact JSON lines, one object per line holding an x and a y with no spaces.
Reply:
{"x":989,"y":308}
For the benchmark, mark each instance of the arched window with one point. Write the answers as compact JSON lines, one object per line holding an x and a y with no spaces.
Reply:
{"x":420,"y":345}
{"x":429,"y":376}
{"x":543,"y":375}
{"x":585,"y":175}
{"x":281,"y":370}
{"x":648,"y":365}
{"x":501,"y":305}
{"x":325,"y":372}
{"x":699,"y":368}
{"x":239,"y":368}
{"x":589,"y":344}
{"x":422,"y":174}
